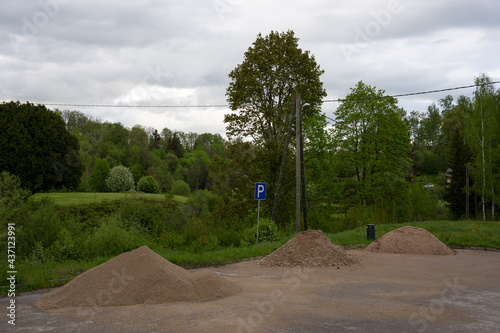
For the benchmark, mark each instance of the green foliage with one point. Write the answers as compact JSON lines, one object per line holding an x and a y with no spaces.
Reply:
{"x":120,"y":179}
{"x":261,"y":95}
{"x":174,"y":146}
{"x":372,"y":146}
{"x":180,"y":187}
{"x":99,"y":175}
{"x":268,"y":231}
{"x":64,"y":249}
{"x":424,"y":204}
{"x":148,"y":184}
{"x":41,"y":225}
{"x":35,"y":146}
{"x":162,"y":176}
{"x":137,"y":171}
{"x":203,"y":202}
{"x":112,"y":239}
{"x":12,"y":195}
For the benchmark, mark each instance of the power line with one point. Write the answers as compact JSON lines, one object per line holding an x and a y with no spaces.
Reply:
{"x":339,"y":100}
{"x":137,"y":106}
{"x":414,"y":93}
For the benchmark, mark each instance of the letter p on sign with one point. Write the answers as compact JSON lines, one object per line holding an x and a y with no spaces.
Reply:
{"x":260,"y":191}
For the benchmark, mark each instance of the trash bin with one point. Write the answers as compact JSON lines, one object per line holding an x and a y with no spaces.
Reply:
{"x":370,"y":231}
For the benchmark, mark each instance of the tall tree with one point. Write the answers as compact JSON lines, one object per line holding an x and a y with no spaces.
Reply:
{"x":261,"y":94}
{"x":35,"y":146}
{"x":483,"y":138}
{"x":174,"y":146}
{"x":373,"y":145}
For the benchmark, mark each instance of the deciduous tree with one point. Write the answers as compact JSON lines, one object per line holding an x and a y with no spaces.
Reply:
{"x":35,"y":146}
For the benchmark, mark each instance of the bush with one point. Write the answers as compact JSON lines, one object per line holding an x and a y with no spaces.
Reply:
{"x":180,"y":187}
{"x":111,"y":239}
{"x":42,"y":225}
{"x":148,"y":184}
{"x":120,"y":179}
{"x":64,"y":248}
{"x":268,"y":231}
{"x":203,"y":202}
{"x":11,"y":193}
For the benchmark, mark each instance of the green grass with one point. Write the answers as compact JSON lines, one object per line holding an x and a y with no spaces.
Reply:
{"x":78,"y":198}
{"x":465,"y":233}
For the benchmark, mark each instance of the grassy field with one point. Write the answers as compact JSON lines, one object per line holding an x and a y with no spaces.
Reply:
{"x":76,"y":198}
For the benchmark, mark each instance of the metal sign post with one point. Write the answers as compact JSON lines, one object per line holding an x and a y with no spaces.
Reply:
{"x":260,"y":194}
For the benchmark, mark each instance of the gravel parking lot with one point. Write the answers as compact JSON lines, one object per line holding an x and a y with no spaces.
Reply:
{"x":383,"y":293}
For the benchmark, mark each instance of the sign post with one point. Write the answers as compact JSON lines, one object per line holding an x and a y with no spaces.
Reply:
{"x":260,"y":194}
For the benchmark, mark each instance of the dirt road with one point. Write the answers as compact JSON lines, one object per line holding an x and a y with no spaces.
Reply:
{"x":385,"y":293}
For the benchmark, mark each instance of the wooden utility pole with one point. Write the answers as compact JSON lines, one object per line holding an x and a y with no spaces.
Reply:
{"x":303,"y":175}
{"x":297,"y":165}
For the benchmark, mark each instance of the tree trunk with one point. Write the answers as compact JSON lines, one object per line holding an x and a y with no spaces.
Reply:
{"x":282,"y":169}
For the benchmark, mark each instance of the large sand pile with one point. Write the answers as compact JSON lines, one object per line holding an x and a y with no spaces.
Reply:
{"x":409,"y":240}
{"x":137,"y":277}
{"x":309,"y":248}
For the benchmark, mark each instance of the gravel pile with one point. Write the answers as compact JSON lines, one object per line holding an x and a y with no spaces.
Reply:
{"x":309,"y":248}
{"x":409,"y":240}
{"x":140,"y":276}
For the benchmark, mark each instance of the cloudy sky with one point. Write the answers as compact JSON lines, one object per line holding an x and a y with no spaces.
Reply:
{"x":178,"y":53}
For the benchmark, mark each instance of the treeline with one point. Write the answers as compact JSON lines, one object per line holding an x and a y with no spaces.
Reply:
{"x":460,"y":140}
{"x":166,"y":155}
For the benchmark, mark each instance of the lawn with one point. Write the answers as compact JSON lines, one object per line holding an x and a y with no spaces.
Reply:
{"x":465,"y":233}
{"x":77,"y":198}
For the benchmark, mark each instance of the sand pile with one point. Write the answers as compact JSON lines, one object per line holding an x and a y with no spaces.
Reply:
{"x":409,"y":240}
{"x":310,"y":248}
{"x":137,"y":277}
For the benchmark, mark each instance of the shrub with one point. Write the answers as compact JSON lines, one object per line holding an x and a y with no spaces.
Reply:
{"x":111,"y":239}
{"x":268,"y":231}
{"x":173,"y":240}
{"x":148,"y":184}
{"x":180,"y":187}
{"x":11,"y":192}
{"x":42,"y":225}
{"x":39,"y":255}
{"x":64,"y":248}
{"x":203,"y":202}
{"x":120,"y":179}
{"x":206,"y":242}
{"x":99,"y":175}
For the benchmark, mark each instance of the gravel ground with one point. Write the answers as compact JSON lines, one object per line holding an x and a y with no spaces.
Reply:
{"x":384,"y":293}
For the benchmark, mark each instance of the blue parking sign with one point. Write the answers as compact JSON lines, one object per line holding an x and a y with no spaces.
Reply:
{"x":260,"y":191}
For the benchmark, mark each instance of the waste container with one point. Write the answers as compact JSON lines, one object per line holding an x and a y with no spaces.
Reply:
{"x":370,"y":231}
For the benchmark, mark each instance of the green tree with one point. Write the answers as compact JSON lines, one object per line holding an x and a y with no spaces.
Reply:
{"x":120,"y":179}
{"x":483,"y":136}
{"x":148,"y":184}
{"x":459,"y":157}
{"x":372,"y":146}
{"x":180,"y":187}
{"x":212,"y":144}
{"x":174,"y":145}
{"x":99,"y":175}
{"x":261,"y":95}
{"x":35,"y":146}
